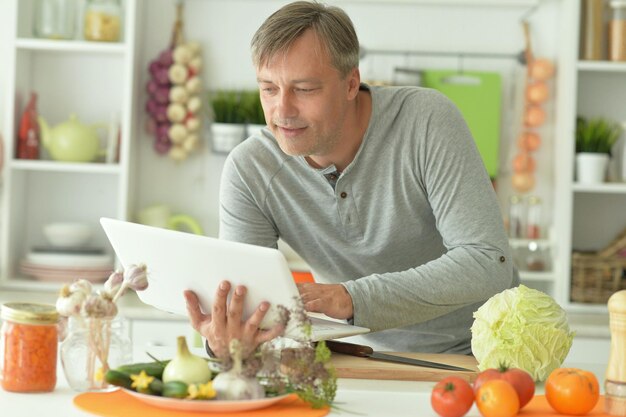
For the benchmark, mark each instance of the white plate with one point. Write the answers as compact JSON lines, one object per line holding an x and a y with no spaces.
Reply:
{"x":56,"y":274}
{"x":204,"y":405}
{"x":71,"y":260}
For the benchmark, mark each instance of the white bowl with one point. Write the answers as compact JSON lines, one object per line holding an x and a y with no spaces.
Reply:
{"x":67,"y":235}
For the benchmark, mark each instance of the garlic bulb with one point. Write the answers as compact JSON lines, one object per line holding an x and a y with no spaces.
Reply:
{"x":194,"y":104}
{"x":233,"y":384}
{"x":195,"y":64}
{"x":100,"y":306}
{"x":176,"y":112}
{"x":182,"y":54}
{"x":186,"y":366}
{"x":69,"y":303}
{"x":81,"y":285}
{"x":177,"y":74}
{"x":193,"y":85}
{"x":177,"y":153}
{"x":114,"y":283}
{"x":190,"y":143}
{"x":192,"y":124}
{"x":177,"y":133}
{"x":179,"y":95}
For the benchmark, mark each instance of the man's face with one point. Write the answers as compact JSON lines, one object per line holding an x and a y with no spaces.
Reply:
{"x":304,"y":98}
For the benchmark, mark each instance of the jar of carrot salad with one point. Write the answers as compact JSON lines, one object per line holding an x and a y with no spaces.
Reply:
{"x":28,"y":347}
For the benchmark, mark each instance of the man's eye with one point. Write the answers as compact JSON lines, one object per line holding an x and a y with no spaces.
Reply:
{"x":304,"y":90}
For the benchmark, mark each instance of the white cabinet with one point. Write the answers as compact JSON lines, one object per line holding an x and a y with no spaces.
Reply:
{"x":588,"y":217}
{"x":94,"y":80}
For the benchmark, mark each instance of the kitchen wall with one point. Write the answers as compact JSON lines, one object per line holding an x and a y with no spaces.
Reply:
{"x":224,"y":29}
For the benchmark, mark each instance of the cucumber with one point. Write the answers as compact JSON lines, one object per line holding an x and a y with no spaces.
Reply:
{"x":154,"y":388}
{"x":117,"y":378}
{"x":154,"y":369}
{"x":175,"y":389}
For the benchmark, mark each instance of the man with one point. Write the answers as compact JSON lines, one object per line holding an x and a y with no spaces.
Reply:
{"x":381,"y":190}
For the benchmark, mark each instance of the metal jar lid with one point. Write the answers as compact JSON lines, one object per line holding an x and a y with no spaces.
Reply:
{"x":29,"y":313}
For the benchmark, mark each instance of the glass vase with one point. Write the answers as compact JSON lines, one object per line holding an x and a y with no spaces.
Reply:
{"x":91,"y":348}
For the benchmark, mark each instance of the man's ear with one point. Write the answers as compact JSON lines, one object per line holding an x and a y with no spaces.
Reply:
{"x":354,"y":82}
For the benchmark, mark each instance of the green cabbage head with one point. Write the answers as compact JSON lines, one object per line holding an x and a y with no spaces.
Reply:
{"x":521,"y":328}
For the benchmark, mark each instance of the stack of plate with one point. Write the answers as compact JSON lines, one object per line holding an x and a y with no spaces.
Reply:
{"x":66,"y":266}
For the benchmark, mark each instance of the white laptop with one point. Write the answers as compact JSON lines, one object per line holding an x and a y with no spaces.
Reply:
{"x":177,"y":261}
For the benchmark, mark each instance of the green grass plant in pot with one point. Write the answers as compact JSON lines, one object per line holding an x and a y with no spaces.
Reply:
{"x":228,"y":128}
{"x":253,"y":112}
{"x":594,"y":139}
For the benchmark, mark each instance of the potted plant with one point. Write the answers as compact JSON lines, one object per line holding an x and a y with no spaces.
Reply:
{"x":594,"y":139}
{"x":228,"y":128}
{"x":253,"y":112}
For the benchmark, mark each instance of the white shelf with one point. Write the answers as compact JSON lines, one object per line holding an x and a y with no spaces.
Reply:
{"x":55,"y":166}
{"x":70,"y":46}
{"x":601,"y":66}
{"x":543,"y":276}
{"x":605,"y":188}
{"x":523,"y":243}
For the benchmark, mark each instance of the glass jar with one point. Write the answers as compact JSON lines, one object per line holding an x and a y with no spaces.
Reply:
{"x":28,"y":347}
{"x":103,"y":20}
{"x":55,"y":19}
{"x":592,"y":40}
{"x":516,"y":215}
{"x":91,"y":348}
{"x":617,"y":31}
{"x":533,"y":221}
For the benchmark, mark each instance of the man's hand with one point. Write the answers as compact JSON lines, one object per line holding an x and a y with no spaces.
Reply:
{"x":330,"y":299}
{"x":225,"y":321}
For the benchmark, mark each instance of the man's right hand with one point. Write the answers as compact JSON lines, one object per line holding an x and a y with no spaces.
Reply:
{"x":225,"y":321}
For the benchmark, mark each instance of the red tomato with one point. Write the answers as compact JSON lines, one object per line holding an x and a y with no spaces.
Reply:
{"x":518,"y":378}
{"x":497,"y":398}
{"x":572,"y":391}
{"x":452,"y":397}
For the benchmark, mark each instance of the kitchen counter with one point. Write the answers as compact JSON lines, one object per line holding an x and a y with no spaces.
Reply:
{"x":372,"y":398}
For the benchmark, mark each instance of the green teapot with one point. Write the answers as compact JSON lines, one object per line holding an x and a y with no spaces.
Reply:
{"x":71,"y":141}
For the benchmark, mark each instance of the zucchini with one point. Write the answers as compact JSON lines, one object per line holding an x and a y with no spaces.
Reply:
{"x":118,"y":378}
{"x":175,"y":389}
{"x":154,"y":369}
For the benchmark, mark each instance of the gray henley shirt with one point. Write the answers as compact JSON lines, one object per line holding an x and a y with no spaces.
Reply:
{"x":412,"y":227}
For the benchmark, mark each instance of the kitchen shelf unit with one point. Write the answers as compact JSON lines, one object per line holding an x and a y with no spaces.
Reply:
{"x":589,"y":216}
{"x":94,"y":80}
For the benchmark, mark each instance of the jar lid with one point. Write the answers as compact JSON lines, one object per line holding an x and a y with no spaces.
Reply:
{"x":29,"y":313}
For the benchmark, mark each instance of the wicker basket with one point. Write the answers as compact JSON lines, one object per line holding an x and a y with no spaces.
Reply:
{"x":595,"y":278}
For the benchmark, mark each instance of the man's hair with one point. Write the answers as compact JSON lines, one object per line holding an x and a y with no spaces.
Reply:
{"x":331,"y":24}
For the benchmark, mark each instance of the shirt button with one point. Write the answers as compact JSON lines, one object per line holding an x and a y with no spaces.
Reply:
{"x":502,"y":259}
{"x":343,"y":194}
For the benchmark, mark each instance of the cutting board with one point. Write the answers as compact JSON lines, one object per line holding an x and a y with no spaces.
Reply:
{"x":365,"y":368}
{"x":477,"y":94}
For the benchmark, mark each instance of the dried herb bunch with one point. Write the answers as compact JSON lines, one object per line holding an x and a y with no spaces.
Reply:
{"x":295,"y":366}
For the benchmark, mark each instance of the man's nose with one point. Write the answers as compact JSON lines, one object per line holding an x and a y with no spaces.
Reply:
{"x":286,"y":105}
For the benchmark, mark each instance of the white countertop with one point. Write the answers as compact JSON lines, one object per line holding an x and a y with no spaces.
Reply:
{"x":371,"y":398}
